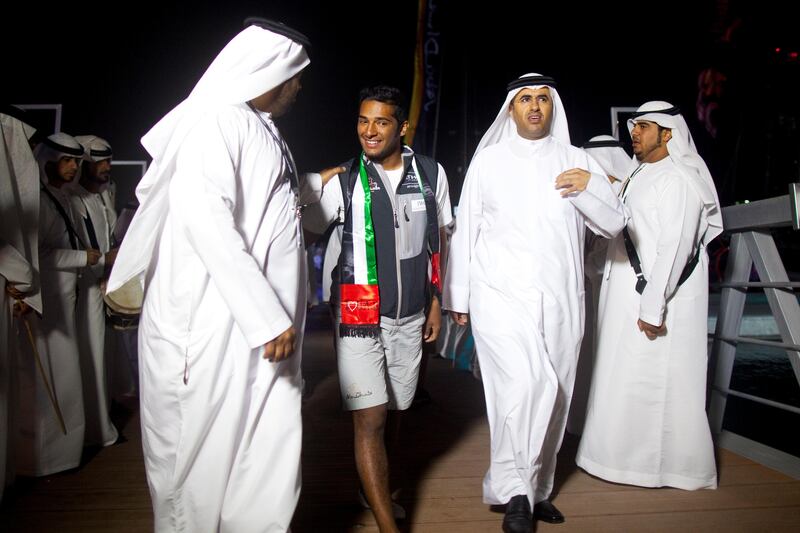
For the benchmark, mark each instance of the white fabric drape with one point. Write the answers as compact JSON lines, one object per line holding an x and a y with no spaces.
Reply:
{"x":218,"y":234}
{"x":516,"y":265}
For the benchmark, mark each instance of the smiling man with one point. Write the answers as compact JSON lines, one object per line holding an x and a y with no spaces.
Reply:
{"x":516,"y":269}
{"x":393,"y":204}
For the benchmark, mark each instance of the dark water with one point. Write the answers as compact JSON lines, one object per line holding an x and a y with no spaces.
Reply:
{"x":765,"y":372}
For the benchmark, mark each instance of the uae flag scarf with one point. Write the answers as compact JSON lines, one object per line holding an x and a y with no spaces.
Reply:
{"x":359,"y":292}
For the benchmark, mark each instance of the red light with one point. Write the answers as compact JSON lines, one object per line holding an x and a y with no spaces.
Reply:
{"x":793,"y":55}
{"x":778,"y":50}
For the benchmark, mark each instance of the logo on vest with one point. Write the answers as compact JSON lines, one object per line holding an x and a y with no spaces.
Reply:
{"x":352,"y":305}
{"x":373,"y":185}
{"x":417,"y":205}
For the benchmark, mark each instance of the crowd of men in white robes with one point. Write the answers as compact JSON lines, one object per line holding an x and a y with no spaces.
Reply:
{"x":218,"y":243}
{"x":61,"y":364}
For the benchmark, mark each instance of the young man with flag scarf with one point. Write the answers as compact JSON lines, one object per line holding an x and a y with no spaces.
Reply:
{"x":393,"y":204}
{"x":517,"y":271}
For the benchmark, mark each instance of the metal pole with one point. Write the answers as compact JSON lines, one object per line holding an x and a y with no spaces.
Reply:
{"x":731,"y":307}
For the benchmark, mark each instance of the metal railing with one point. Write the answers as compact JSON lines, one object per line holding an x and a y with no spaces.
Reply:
{"x":752,"y":245}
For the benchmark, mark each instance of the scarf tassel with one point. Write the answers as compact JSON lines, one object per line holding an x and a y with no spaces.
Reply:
{"x":360,"y":330}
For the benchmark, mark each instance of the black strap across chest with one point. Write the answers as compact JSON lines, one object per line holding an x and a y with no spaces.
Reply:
{"x":74,"y":238}
{"x":633,"y":258}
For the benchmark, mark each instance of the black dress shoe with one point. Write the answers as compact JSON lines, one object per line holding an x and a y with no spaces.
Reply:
{"x":518,"y":517}
{"x":547,"y":512}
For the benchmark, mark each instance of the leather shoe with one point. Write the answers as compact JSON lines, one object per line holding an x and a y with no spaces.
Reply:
{"x":547,"y":512}
{"x":518,"y":518}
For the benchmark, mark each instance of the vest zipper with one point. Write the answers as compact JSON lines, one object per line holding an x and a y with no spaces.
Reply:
{"x":392,"y":199}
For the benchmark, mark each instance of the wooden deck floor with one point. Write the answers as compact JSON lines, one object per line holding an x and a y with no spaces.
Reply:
{"x":445,"y":451}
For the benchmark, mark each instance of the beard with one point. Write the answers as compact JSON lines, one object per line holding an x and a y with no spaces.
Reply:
{"x":102,"y":177}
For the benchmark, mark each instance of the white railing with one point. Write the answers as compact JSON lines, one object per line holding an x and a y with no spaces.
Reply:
{"x":752,"y":245}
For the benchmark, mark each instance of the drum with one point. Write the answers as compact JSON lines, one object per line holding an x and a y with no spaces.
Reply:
{"x":124,"y":305}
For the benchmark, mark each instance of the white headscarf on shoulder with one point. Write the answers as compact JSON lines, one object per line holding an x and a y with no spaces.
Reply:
{"x":610,"y":154}
{"x":254,"y":62}
{"x":683,"y":152}
{"x":19,"y":193}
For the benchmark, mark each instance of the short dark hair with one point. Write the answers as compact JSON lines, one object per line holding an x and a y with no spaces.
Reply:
{"x":661,"y":129}
{"x":387,"y":95}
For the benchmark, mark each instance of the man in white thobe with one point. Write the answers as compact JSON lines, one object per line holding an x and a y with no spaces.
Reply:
{"x":646,"y":422}
{"x":516,"y":267}
{"x":219,"y":241}
{"x":51,"y":402}
{"x":94,"y":219}
{"x":19,"y":266}
{"x":617,"y":165}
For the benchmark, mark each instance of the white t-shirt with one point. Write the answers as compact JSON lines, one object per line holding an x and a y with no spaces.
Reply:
{"x":395,"y":176}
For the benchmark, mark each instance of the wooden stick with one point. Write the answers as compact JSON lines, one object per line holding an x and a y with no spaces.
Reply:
{"x":47,"y":387}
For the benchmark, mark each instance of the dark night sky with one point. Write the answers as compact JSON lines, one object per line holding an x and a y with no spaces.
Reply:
{"x":117,"y":75}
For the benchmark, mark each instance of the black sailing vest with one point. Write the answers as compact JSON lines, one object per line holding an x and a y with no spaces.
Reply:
{"x":400,"y":235}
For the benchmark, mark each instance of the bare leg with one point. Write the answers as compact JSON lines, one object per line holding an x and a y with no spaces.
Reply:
{"x":392,"y":447}
{"x":372,"y":463}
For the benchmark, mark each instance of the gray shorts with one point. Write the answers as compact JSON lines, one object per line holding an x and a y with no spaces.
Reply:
{"x":377,"y":371}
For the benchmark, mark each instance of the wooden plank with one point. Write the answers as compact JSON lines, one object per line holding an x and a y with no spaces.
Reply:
{"x":99,"y":521}
{"x":746,"y":521}
{"x":443,"y":457}
{"x":641,"y":501}
{"x":728,"y":520}
{"x":750,"y":474}
{"x":83,"y":499}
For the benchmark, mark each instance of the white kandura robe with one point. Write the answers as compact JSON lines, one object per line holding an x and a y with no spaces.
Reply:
{"x":42,"y":448}
{"x":14,"y":268}
{"x":646,"y":422}
{"x":91,"y":317}
{"x":221,"y":426}
{"x":516,"y":265}
{"x":19,"y":264}
{"x":595,"y":259}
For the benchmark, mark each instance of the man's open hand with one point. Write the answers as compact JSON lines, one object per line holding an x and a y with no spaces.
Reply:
{"x":572,"y":181}
{"x":328,"y":173}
